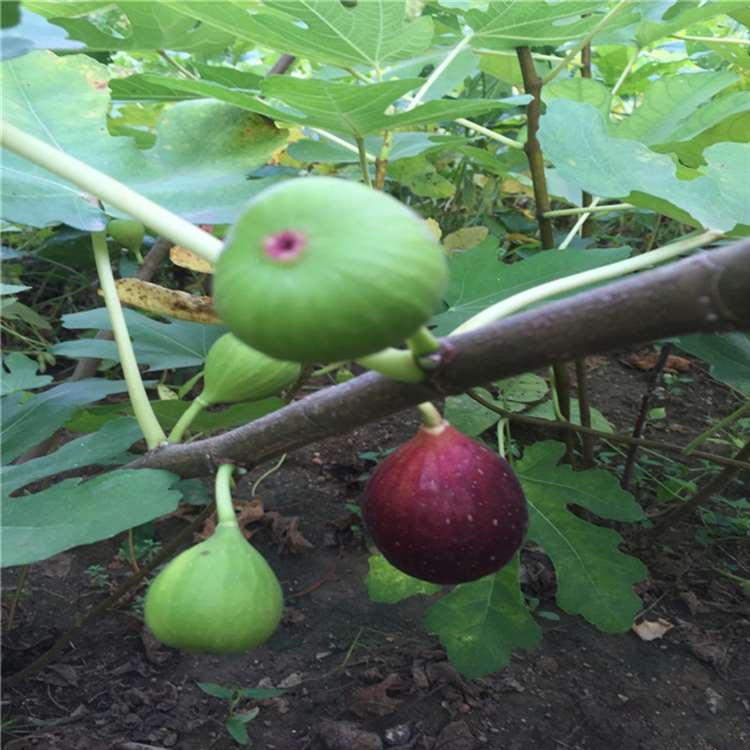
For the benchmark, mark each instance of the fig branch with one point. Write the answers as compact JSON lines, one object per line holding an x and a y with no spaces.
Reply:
{"x":708,"y":292}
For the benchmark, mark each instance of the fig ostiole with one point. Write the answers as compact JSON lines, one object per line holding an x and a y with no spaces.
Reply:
{"x":127,"y":232}
{"x":219,"y":596}
{"x":320,"y":269}
{"x":235,"y":372}
{"x":444,"y":508}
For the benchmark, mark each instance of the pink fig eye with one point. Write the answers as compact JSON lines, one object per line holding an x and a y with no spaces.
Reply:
{"x":285,"y":246}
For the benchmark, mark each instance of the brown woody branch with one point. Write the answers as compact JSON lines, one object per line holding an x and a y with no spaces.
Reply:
{"x":708,"y":292}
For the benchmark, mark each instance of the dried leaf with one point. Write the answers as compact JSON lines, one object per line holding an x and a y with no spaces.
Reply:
{"x":648,"y":361}
{"x":465,"y":239}
{"x":651,"y":630}
{"x":285,"y":532}
{"x":374,"y":700}
{"x":185,"y":259}
{"x":434,"y":227}
{"x":170,"y":302}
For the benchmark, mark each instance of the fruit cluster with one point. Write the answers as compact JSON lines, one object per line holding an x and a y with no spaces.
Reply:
{"x":318,"y":270}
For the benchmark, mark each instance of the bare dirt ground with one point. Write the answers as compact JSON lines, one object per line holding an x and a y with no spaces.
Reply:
{"x":362,"y":676}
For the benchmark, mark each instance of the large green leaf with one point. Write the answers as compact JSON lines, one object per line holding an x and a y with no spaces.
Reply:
{"x":74,"y":512}
{"x":594,"y":578}
{"x":357,"y":110}
{"x":137,"y":87}
{"x":403,"y":145}
{"x":670,"y":102}
{"x":33,"y":32}
{"x":728,"y":355}
{"x":468,"y":415}
{"x":373,"y":33}
{"x":146,"y":26}
{"x":587,"y":156}
{"x":478,"y":278}
{"x":482,"y":622}
{"x":389,"y":585}
{"x":580,"y":90}
{"x":662,"y":19}
{"x":198,"y":168}
{"x":161,"y":346}
{"x":20,"y":374}
{"x":507,"y":24}
{"x":724,"y":119}
{"x":103,"y":447}
{"x":91,"y":419}
{"x":27,"y":422}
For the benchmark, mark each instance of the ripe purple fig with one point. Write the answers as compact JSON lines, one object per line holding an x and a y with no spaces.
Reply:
{"x":444,"y":508}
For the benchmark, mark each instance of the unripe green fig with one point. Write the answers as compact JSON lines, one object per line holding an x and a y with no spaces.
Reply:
{"x":127,"y":232}
{"x":219,"y":597}
{"x":236,"y":372}
{"x":319,"y":269}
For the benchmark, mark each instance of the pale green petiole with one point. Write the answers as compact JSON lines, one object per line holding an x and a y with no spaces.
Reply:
{"x":147,"y":420}
{"x":423,"y":343}
{"x":517,"y":302}
{"x":431,"y":417}
{"x":224,"y":506}
{"x":185,"y":420}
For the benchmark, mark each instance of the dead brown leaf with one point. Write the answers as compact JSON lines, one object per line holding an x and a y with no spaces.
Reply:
{"x":285,"y":532}
{"x":162,"y":301}
{"x":185,"y":259}
{"x":374,"y":700}
{"x":647,"y":361}
{"x":651,"y":630}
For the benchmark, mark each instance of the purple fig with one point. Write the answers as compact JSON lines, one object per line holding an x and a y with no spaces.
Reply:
{"x":444,"y":508}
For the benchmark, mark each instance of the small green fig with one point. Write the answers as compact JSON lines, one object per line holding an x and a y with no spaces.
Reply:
{"x":219,"y":597}
{"x":319,"y":269}
{"x":236,"y":372}
{"x":127,"y":232}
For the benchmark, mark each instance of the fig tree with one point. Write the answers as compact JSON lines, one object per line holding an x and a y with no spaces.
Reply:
{"x":444,"y":508}
{"x":322,"y":269}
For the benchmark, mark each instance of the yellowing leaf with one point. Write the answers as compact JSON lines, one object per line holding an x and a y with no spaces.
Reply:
{"x":434,"y":227}
{"x":514,"y":187}
{"x":185,"y":259}
{"x":170,"y":302}
{"x":465,"y":239}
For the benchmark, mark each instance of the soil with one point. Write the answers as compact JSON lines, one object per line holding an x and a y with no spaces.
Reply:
{"x":363,"y":676}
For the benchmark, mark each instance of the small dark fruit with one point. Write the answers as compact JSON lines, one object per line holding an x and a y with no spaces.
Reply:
{"x":444,"y":508}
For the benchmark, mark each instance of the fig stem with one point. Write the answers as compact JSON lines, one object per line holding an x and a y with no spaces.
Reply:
{"x":109,"y":190}
{"x":396,"y":364}
{"x":224,"y":506}
{"x":431,"y":417}
{"x":423,"y":343}
{"x":142,"y":409}
{"x":186,"y":419}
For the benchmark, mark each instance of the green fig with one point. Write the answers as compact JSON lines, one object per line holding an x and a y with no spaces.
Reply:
{"x":237,"y":372}
{"x":319,"y":269}
{"x":218,"y":597}
{"x":127,"y":232}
